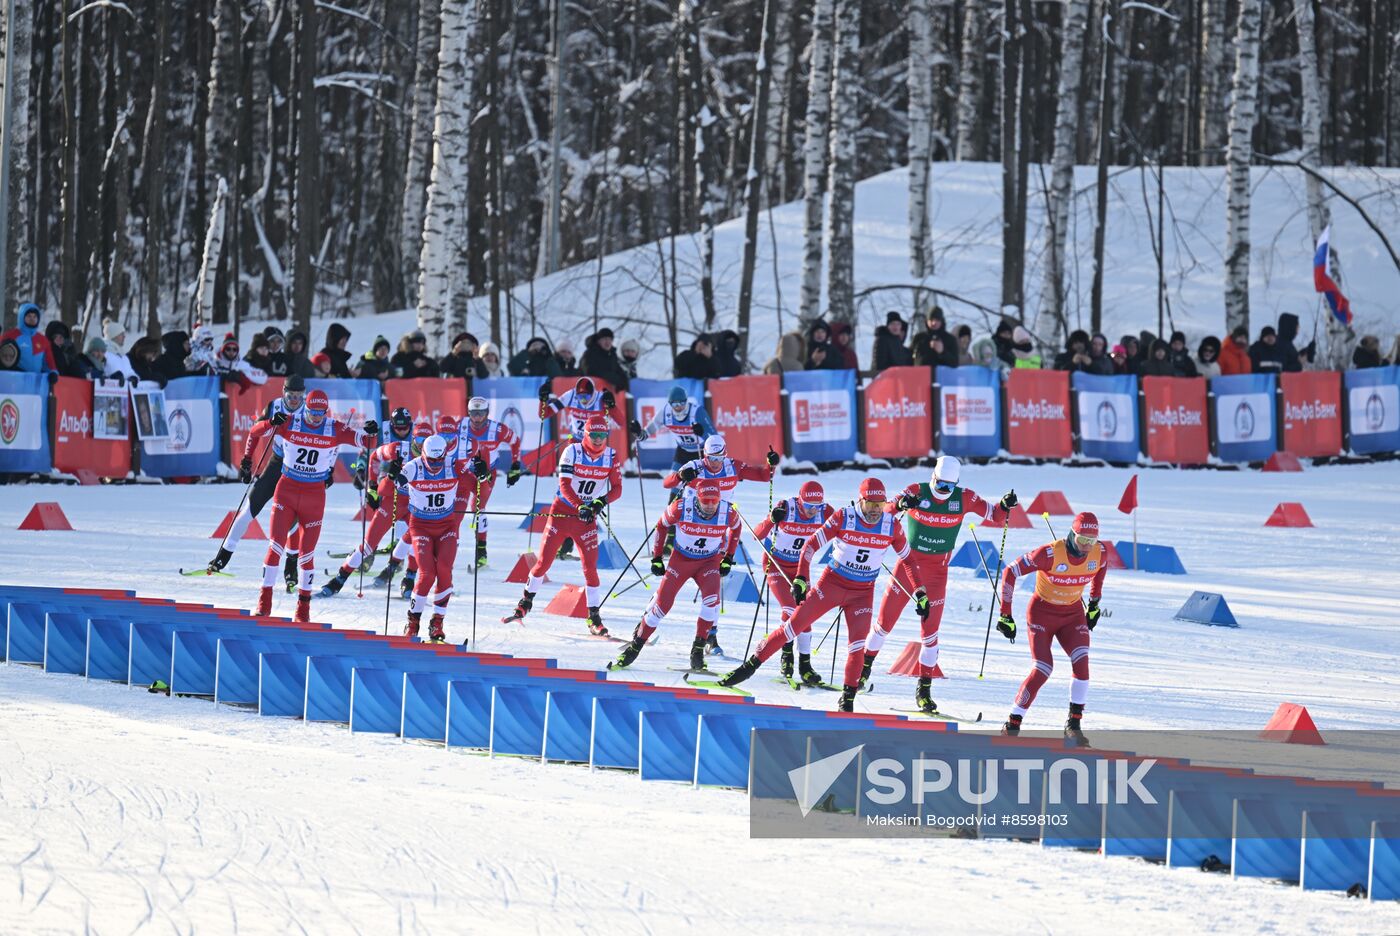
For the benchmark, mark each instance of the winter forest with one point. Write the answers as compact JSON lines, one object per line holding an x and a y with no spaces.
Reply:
{"x":172,"y":161}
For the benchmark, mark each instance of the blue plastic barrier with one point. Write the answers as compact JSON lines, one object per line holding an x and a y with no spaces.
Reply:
{"x":108,"y":649}
{"x":1151,"y":558}
{"x":1267,"y":839}
{"x":568,"y":722}
{"x":610,"y":555}
{"x":282,"y":684}
{"x":967,"y":557}
{"x":738,"y":587}
{"x":1335,"y":850}
{"x":236,"y":671}
{"x":193,"y":661}
{"x":469,"y":714}
{"x":1207,"y":608}
{"x":1199,"y":824}
{"x":328,"y":688}
{"x":616,"y":735}
{"x":376,"y":700}
{"x":517,"y":720}
{"x":65,"y":643}
{"x":1064,"y":795}
{"x":723,"y":741}
{"x":666,"y":745}
{"x":424,"y":714}
{"x":1383,"y":881}
{"x":25,"y":642}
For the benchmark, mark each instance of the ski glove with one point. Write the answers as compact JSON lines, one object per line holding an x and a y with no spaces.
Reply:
{"x":779,"y":513}
{"x":698,"y":430}
{"x":725,"y":565}
{"x":394,"y":470}
{"x":588,"y":511}
{"x":1009,"y":500}
{"x":278,"y":418}
{"x":905,"y":501}
{"x":635,"y":428}
{"x":372,"y":499}
{"x":371,"y":427}
{"x":1091,"y":613}
{"x":1006,"y":626}
{"x":513,"y":475}
{"x":544,"y":392}
{"x":245,"y":470}
{"x":658,"y":568}
{"x":687,"y":474}
{"x":479,"y":467}
{"x":609,"y":401}
{"x":799,"y":588}
{"x":921,"y":603}
{"x":772,"y":457}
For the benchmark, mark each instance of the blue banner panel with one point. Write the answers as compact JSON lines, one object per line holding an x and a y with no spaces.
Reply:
{"x":649,"y":398}
{"x":1373,"y":409}
{"x":821,"y":414}
{"x":969,"y":411}
{"x":1108,"y":416}
{"x":192,"y":416}
{"x":515,"y":401}
{"x":1246,"y":425}
{"x":24,"y":423}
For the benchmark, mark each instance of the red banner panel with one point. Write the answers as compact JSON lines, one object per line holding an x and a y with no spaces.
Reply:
{"x":1177,"y":430}
{"x":1037,"y":409}
{"x":428,"y":397}
{"x":246,"y":407}
{"x":899,"y":413}
{"x":1312,"y":413}
{"x":748,"y":412}
{"x":618,"y":439}
{"x":74,"y":447}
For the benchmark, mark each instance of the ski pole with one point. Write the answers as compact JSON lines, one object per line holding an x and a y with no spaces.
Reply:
{"x":754,"y":625}
{"x":607,"y":525}
{"x":759,"y":541}
{"x":476,"y":503}
{"x":627,"y":589}
{"x":364,"y":520}
{"x":248,"y":489}
{"x":991,"y":608}
{"x":535,"y":488}
{"x":393,"y":542}
{"x":972,"y":527}
{"x":635,"y":552}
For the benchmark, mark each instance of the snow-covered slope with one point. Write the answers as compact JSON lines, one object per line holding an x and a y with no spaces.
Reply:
{"x":130,"y":812}
{"x":966,"y":207}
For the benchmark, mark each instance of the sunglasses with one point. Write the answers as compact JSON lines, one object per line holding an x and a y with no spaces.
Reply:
{"x":598,"y":436}
{"x":944,"y":487}
{"x":1084,"y":542}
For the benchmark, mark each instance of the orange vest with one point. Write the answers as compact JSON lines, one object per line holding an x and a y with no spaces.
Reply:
{"x":1064,"y":584}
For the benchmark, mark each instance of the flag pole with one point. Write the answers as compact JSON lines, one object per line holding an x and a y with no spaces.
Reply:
{"x":1135,"y":558}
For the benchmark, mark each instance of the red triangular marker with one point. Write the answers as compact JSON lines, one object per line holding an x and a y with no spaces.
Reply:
{"x":570,"y":602}
{"x":520,"y":572}
{"x":1283,"y":461}
{"x":45,"y":515}
{"x":1016,"y":520}
{"x":254,"y":532}
{"x":1111,"y":557}
{"x":1052,"y":502}
{"x":907,"y":663}
{"x":1289,"y":514}
{"x":1292,"y":724}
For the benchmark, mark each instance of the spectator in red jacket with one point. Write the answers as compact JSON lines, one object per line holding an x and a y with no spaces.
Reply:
{"x":35,"y":352}
{"x":1234,"y":354}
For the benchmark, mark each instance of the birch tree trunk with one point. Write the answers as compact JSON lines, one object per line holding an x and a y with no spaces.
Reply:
{"x":153,"y":169}
{"x":213,"y":251}
{"x":1050,"y":319}
{"x":1211,"y":134}
{"x":1238,"y":155}
{"x":775,"y":142}
{"x":444,"y":221}
{"x":19,"y":259}
{"x":814,"y":157}
{"x":970,"y":136}
{"x":702,"y":118}
{"x":68,"y":266}
{"x":841,"y":179}
{"x":219,"y":130}
{"x":754,"y":180}
{"x":420,"y":140}
{"x":920,"y":136}
{"x":308,"y":162}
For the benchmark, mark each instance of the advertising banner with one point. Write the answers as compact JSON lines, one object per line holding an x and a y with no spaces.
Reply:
{"x":352,"y":402}
{"x":1108,"y":416}
{"x":821,"y":414}
{"x":190,"y":447}
{"x":1177,"y":429}
{"x":1245,"y":416}
{"x":428,"y":397}
{"x":1037,"y":411}
{"x":24,"y":422}
{"x":899,"y":413}
{"x":618,"y":417}
{"x":111,"y":408}
{"x":648,"y":399}
{"x":747,"y":411}
{"x":515,"y":401}
{"x":1312,"y":413}
{"x":969,"y":411}
{"x":246,"y":407}
{"x":1373,"y":409}
{"x":76,"y":444}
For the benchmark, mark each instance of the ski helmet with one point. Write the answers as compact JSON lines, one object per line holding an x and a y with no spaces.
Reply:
{"x":811,"y":494}
{"x":595,"y":434}
{"x":677,"y":397}
{"x":478,"y":405}
{"x":401,"y":420}
{"x":316,"y":406}
{"x":946,"y":472}
{"x":434,"y":450}
{"x":446,"y":428}
{"x":714,"y":446}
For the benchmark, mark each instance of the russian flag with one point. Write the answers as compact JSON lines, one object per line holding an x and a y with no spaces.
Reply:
{"x":1323,"y":282}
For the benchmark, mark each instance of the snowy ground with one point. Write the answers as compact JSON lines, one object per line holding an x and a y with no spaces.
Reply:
{"x":125,"y":812}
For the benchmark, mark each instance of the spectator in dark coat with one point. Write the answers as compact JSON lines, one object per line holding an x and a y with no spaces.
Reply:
{"x":564,"y":354}
{"x":1294,"y":358}
{"x":1265,"y":354}
{"x":298,"y":355}
{"x":536,"y":360}
{"x":337,"y":337}
{"x":93,"y":364}
{"x":727,"y":354}
{"x":1367,"y":353}
{"x":375,"y":364}
{"x":1181,"y":357}
{"x":260,"y":353}
{"x":965,"y":355}
{"x":175,"y":348}
{"x":1002,"y":337}
{"x":1159,"y":364}
{"x":936,"y":346}
{"x":1075,"y":356}
{"x":1144,"y":351}
{"x":843,"y":346}
{"x":631,"y":353}
{"x":412,"y":358}
{"x":143,"y":355}
{"x":600,"y":360}
{"x":276,"y":351}
{"x":462,"y":361}
{"x":699,"y":362}
{"x":819,"y":347}
{"x":1099,"y":360}
{"x":819,"y":357}
{"x":1119,"y":357}
{"x":65,"y":356}
{"x":1132,"y":361}
{"x":889,"y":348}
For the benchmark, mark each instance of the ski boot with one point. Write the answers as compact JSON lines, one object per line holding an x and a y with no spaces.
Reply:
{"x":865,"y":669}
{"x":264,"y":607}
{"x":303,"y":612}
{"x":847,"y":702}
{"x":289,"y":572}
{"x":1012,"y":727}
{"x":697,"y":656}
{"x":1074,"y":735}
{"x":435,"y":634}
{"x":386,"y":575}
{"x":218,"y":562}
{"x":566,"y":551}
{"x":712,"y":646}
{"x":742,"y":672}
{"x":336,"y":583}
{"x":595,"y":623}
{"x":785,"y":661}
{"x":406,"y":585}
{"x":629,"y":653}
{"x":809,"y":676}
{"x":411,"y":628}
{"x":923,"y":701}
{"x":522,"y":608}
{"x":480,"y":554}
